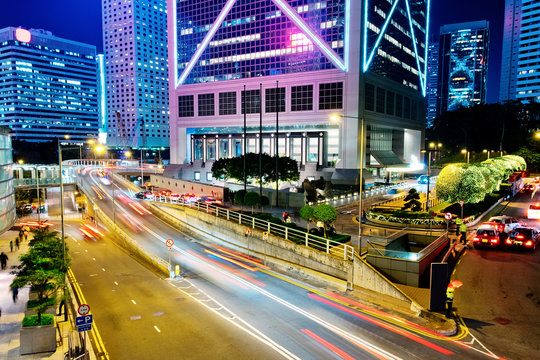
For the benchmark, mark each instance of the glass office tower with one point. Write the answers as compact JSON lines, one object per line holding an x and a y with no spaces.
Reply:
{"x":463,"y":65}
{"x":300,"y":62}
{"x":7,"y":191}
{"x":48,"y":86}
{"x":135,"y":47}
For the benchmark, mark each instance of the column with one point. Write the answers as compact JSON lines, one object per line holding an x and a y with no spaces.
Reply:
{"x":288,"y":146}
{"x":272,"y":145}
{"x":320,"y":153}
{"x":192,"y":149}
{"x":230,"y":147}
{"x":304,"y":150}
{"x":204,"y":149}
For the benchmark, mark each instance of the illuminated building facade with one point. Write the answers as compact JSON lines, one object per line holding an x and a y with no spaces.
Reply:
{"x":520,"y":68}
{"x":102,"y":98}
{"x":432,"y":79}
{"x":7,"y":190}
{"x":48,"y":86}
{"x":300,"y":62}
{"x":463,"y":65}
{"x":135,"y":46}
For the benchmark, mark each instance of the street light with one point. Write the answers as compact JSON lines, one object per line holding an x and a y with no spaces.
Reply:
{"x":467,"y":152}
{"x":488,"y":152}
{"x":432,"y":148}
{"x":337,"y":118}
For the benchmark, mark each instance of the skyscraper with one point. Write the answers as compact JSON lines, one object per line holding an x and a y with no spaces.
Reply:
{"x":135,"y":46}
{"x":510,"y":50}
{"x":48,"y":86}
{"x":432,"y":78}
{"x":301,"y":62}
{"x":463,"y":65}
{"x":520,"y":69}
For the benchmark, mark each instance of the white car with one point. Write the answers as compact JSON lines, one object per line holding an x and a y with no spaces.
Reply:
{"x":509,"y":222}
{"x":534,"y":211}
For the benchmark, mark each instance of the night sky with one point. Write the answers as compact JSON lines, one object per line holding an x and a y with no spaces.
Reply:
{"x":80,"y":20}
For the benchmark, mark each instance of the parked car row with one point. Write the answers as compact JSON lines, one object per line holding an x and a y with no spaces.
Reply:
{"x":169,"y":195}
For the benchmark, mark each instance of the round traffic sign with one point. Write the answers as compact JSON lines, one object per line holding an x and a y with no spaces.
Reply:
{"x":448,"y":216}
{"x":461,"y":202}
{"x":169,"y":242}
{"x":83,"y":309}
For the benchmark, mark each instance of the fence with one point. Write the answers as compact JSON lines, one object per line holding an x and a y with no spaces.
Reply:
{"x":331,"y":247}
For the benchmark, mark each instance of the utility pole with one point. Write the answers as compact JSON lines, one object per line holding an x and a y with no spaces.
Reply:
{"x":245,"y":137}
{"x":277,"y":142}
{"x":260,"y":139}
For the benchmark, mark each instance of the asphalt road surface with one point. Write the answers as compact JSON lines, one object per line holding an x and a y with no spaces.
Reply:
{"x":500,"y":298}
{"x":226,"y":305}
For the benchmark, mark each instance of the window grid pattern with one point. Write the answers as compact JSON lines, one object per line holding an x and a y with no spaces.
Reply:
{"x":302,"y":98}
{"x":256,"y":38}
{"x":206,"y":104}
{"x":381,"y":100}
{"x":227,"y":103}
{"x":186,"y":106}
{"x":252,"y":100}
{"x":274,"y":100}
{"x":331,"y":96}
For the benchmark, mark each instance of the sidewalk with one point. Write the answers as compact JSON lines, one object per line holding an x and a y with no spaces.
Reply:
{"x":13,"y":312}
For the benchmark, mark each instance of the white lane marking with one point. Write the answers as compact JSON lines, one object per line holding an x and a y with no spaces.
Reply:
{"x":102,"y":269}
{"x":159,"y":314}
{"x":157,"y":329}
{"x":85,"y":250}
{"x":92,"y":275}
{"x":352,"y":338}
{"x":115,"y":283}
{"x":94,"y":259}
{"x":138,"y":317}
{"x":133,"y":301}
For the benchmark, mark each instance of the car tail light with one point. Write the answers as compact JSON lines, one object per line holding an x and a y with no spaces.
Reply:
{"x":520,"y":237}
{"x":476,"y":239}
{"x":494,"y":241}
{"x":508,"y":242}
{"x":529,"y":243}
{"x":218,"y":202}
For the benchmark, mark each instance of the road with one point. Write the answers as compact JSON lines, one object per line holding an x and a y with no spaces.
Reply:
{"x":500,"y":298}
{"x":228,"y":305}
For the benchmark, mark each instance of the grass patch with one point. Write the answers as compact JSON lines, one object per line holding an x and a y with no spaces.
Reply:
{"x":46,"y":319}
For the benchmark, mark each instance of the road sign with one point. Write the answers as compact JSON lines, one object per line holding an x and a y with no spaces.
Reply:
{"x":169,"y":243}
{"x":84,"y":320}
{"x":448,"y":216}
{"x":461,"y":202}
{"x":86,"y":327}
{"x":83,"y":309}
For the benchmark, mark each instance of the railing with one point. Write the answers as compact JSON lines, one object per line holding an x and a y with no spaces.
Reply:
{"x":396,"y":254}
{"x":328,"y":246}
{"x":44,"y":181}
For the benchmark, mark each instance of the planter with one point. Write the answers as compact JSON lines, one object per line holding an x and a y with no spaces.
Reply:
{"x":38,"y":339}
{"x":32,"y":311}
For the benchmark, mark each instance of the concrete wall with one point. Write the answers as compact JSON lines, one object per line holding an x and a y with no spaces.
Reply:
{"x":184,"y":186}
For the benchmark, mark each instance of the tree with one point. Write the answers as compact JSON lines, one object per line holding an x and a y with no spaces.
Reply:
{"x":43,"y":267}
{"x":412,"y":201}
{"x":251,"y":199}
{"x":306,"y":213}
{"x":325,"y":213}
{"x":233,"y":168}
{"x":239,"y":197}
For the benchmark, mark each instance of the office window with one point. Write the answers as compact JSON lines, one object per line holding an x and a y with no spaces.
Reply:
{"x":206,"y":104}
{"x":252,"y":101}
{"x":369,"y":97}
{"x":390,"y":103}
{"x":381,"y":99}
{"x":302,"y":98}
{"x":227,"y":103}
{"x":331,"y":96}
{"x":274,"y":98}
{"x":399,"y":105}
{"x":407,"y":108}
{"x":208,"y":176}
{"x":197,"y":175}
{"x":186,"y":106}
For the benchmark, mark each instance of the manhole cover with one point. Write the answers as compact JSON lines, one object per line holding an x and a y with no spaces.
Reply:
{"x":502,"y":321}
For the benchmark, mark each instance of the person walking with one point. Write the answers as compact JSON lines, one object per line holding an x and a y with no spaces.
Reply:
{"x":449,"y":300}
{"x":463,"y":232}
{"x":3,"y":260}
{"x":11,"y":245}
{"x":15,"y":293}
{"x":25,"y":234}
{"x":17,"y":243}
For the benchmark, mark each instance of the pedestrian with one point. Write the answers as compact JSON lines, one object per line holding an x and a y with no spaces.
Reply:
{"x":17,"y":243}
{"x":449,"y":300}
{"x":25,"y":234}
{"x":463,"y":232}
{"x":15,"y":293}
{"x":458,"y":223}
{"x":3,"y":260}
{"x":21,"y":234}
{"x":11,"y":245}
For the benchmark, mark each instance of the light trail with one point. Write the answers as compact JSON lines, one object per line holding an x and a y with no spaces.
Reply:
{"x":342,"y":354}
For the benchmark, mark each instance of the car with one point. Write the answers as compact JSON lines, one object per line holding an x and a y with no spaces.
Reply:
{"x":528,"y":188}
{"x":139,"y":195}
{"x":523,"y":237}
{"x":487,"y":235}
{"x":534,"y":211}
{"x":210,"y":200}
{"x":91,"y":232}
{"x":509,"y":223}
{"x":190,"y":198}
{"x":423,"y":179}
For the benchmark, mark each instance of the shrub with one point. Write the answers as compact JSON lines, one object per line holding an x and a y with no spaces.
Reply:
{"x":239,"y":197}
{"x":46,"y":319}
{"x":264,"y":216}
{"x":265,"y":200}
{"x":275,"y":220}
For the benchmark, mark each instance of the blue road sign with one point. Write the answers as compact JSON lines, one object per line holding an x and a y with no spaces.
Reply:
{"x":85,"y":327}
{"x":83,"y":320}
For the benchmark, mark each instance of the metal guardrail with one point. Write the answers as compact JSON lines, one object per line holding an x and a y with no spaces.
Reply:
{"x":44,"y":181}
{"x":328,"y":246}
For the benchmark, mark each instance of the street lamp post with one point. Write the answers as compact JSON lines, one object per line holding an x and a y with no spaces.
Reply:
{"x":61,"y":203}
{"x":336,"y":118}
{"x":432,"y":148}
{"x":466,"y":153}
